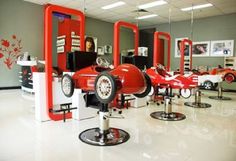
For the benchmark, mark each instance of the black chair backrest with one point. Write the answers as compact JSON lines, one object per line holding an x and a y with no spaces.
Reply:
{"x":138,"y":61}
{"x":80,"y":59}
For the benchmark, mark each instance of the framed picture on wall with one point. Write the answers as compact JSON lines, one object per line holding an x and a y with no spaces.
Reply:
{"x":222,"y":48}
{"x":91,"y":44}
{"x":108,"y":49}
{"x":100,"y":50}
{"x":143,"y":51}
{"x":177,"y":47}
{"x":201,"y":48}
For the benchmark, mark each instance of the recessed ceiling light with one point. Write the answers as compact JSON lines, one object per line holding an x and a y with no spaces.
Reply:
{"x":146,"y":16}
{"x":197,"y":7}
{"x":113,"y":5}
{"x":152,"y":4}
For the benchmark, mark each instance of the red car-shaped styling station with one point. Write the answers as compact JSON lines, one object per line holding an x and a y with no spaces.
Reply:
{"x":159,"y":75}
{"x":107,"y":82}
{"x":161,"y":79}
{"x":228,"y":74}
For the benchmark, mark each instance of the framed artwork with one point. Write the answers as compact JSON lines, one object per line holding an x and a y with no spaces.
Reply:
{"x":177,"y":47}
{"x":108,"y":49}
{"x":143,"y":51}
{"x":201,"y":48}
{"x":100,"y":50}
{"x":222,"y":48}
{"x":91,"y":44}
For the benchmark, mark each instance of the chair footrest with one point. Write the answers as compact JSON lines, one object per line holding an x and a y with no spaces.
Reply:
{"x":66,"y":104}
{"x":62,"y":110}
{"x":129,"y":99}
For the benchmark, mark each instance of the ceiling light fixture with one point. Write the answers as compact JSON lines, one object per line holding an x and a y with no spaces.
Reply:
{"x":146,"y":16}
{"x":113,"y":5}
{"x":197,"y":7}
{"x":152,"y":4}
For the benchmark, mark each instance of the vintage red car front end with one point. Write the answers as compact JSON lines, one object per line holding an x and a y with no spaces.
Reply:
{"x":130,"y":79}
{"x":107,"y":82}
{"x":85,"y":78}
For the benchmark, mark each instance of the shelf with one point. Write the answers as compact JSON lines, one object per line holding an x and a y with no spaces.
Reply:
{"x":27,"y":63}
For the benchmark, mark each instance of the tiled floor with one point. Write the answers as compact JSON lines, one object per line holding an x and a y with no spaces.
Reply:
{"x":205,"y":135}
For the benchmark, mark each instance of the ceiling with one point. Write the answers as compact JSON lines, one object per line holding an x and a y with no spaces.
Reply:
{"x":92,"y":8}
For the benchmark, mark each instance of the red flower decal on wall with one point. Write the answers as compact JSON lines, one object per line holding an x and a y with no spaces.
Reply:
{"x":8,"y":63}
{"x":15,"y":49}
{"x":1,"y":55}
{"x":10,"y":51}
{"x":5,"y":43}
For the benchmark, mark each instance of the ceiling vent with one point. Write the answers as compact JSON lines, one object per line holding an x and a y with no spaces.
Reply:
{"x":140,"y":10}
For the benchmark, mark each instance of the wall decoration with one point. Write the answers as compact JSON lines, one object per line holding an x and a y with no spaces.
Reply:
{"x":143,"y":51}
{"x":96,"y":43}
{"x":108,"y":49}
{"x":91,"y":44}
{"x":177,"y":47}
{"x":222,"y":48}
{"x":10,"y":51}
{"x":201,"y":48}
{"x":100,"y":50}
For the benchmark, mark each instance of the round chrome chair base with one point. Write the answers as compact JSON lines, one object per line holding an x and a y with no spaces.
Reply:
{"x":197,"y":105}
{"x":173,"y":116}
{"x":113,"y":136}
{"x":219,"y":98}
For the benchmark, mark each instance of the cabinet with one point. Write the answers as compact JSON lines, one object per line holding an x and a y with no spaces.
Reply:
{"x":25,"y":75}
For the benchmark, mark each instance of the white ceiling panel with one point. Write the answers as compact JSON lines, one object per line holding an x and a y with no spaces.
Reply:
{"x":137,"y":2}
{"x":181,"y":4}
{"x":210,"y":11}
{"x":220,"y":2}
{"x":60,"y":2}
{"x":156,"y":8}
{"x":41,"y":2}
{"x":126,"y":12}
{"x":194,"y":2}
{"x":75,"y":5}
{"x":125,"y":9}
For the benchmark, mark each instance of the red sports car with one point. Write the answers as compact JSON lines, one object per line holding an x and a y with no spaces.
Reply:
{"x":228,"y":74}
{"x":107,"y":82}
{"x":161,"y":79}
